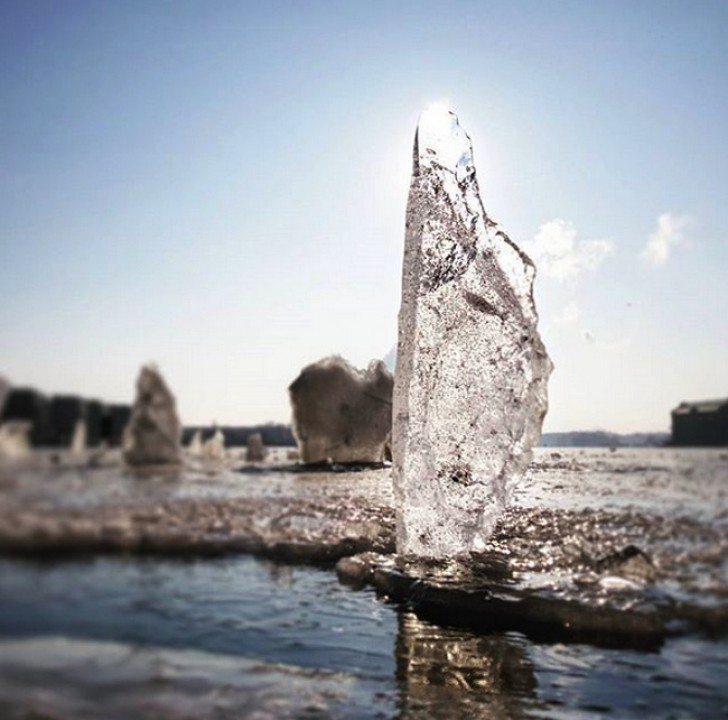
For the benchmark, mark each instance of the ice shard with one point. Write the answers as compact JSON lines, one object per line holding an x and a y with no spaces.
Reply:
{"x":255,"y":450}
{"x":214,"y":448}
{"x":152,"y":436}
{"x":471,"y":375}
{"x":195,"y":446}
{"x":15,"y":439}
{"x":78,"y":441}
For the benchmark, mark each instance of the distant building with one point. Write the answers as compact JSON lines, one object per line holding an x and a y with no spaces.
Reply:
{"x":700,"y":423}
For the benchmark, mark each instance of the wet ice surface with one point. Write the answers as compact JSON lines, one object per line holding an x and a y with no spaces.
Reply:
{"x":581,"y":504}
{"x":276,"y":639}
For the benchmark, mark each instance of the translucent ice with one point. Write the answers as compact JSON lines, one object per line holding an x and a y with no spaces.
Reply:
{"x":14,"y":439}
{"x":471,"y":376}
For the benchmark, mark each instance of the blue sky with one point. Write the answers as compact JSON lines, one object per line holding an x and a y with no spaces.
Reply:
{"x":220,"y":188}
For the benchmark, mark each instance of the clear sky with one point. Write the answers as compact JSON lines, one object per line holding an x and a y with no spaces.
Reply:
{"x":220,"y":187}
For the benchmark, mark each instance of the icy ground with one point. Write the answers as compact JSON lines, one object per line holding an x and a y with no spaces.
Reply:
{"x":568,"y":517}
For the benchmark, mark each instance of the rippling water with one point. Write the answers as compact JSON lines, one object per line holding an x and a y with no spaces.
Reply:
{"x":236,"y":636}
{"x":347,"y":653}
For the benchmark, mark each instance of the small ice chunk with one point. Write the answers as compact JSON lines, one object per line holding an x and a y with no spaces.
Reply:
{"x":152,"y":436}
{"x":14,"y":439}
{"x":78,"y":441}
{"x":255,"y":451}
{"x":214,"y":448}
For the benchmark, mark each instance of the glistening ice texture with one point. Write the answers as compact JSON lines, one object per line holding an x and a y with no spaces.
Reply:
{"x":470,"y":385}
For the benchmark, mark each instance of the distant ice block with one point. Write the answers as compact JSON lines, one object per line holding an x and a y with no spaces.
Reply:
{"x":255,"y":451}
{"x":15,"y":439}
{"x":78,"y":441}
{"x":471,"y":374}
{"x":152,"y":435}
{"x":342,"y":414}
{"x":195,"y":446}
{"x":214,"y":448}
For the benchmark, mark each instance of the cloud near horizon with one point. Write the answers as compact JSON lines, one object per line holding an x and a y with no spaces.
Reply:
{"x":558,"y":254}
{"x":668,"y":234}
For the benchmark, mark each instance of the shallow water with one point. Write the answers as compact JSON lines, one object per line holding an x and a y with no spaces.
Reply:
{"x":235,"y":636}
{"x":241,"y":625}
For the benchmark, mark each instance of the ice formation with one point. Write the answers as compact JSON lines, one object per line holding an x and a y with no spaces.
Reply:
{"x":78,"y":441}
{"x":195,"y":446}
{"x":214,"y":448}
{"x":255,"y":451}
{"x":470,"y":383}
{"x":152,"y":436}
{"x":342,"y":414}
{"x":14,"y":439}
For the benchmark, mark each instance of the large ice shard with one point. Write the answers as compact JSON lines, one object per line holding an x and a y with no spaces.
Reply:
{"x":471,"y":376}
{"x":152,"y":435}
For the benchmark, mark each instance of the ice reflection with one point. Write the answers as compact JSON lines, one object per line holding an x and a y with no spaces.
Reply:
{"x":446,"y":673}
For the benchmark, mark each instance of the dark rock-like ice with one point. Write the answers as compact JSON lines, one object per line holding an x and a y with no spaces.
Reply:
{"x":152,"y":436}
{"x":470,"y":383}
{"x":342,"y":414}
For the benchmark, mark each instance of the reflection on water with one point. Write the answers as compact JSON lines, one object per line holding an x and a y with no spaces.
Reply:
{"x":286,"y":639}
{"x":293,"y":642}
{"x":446,"y":673}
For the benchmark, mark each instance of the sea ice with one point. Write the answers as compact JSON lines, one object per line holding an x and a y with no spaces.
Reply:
{"x":471,"y":376}
{"x":152,"y":436}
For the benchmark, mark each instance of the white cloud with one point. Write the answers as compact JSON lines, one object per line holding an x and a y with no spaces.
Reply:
{"x":668,"y":233}
{"x":558,"y":254}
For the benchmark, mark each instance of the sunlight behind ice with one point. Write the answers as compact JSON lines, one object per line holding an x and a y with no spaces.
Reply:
{"x":442,"y":141}
{"x":470,"y":382}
